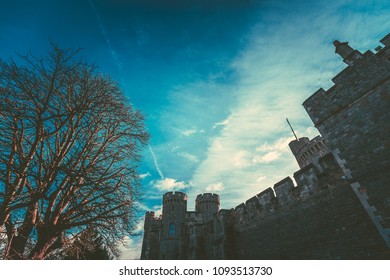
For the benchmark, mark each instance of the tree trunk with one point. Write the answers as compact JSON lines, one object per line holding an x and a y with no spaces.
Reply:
{"x":45,"y":245}
{"x":17,"y":238}
{"x":16,"y":246}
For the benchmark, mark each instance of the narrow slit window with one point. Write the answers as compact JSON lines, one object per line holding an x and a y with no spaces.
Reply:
{"x":172,"y":229}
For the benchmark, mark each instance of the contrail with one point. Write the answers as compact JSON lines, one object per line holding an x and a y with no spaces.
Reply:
{"x":156,"y":163}
{"x":106,"y":38}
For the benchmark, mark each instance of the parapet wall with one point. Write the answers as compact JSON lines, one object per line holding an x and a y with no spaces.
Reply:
{"x":349,"y":86}
{"x":174,"y":197}
{"x":319,"y":218}
{"x":192,"y":217}
{"x":310,"y":179}
{"x":150,"y":215}
{"x":208,"y":197}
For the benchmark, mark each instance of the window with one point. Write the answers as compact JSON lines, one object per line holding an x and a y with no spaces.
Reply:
{"x":172,"y":230}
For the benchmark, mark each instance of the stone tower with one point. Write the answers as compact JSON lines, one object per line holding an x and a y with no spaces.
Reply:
{"x":308,"y":151}
{"x":173,"y":219}
{"x":151,"y":241}
{"x":208,"y":205}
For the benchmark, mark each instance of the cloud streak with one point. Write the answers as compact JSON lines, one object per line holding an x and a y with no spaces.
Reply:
{"x":103,"y":30}
{"x":156,"y":163}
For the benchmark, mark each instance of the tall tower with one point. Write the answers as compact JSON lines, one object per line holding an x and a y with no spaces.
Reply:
{"x":173,"y":218}
{"x":151,"y":242}
{"x":208,"y":205}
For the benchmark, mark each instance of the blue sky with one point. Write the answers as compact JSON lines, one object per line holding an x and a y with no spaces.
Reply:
{"x":214,"y":79}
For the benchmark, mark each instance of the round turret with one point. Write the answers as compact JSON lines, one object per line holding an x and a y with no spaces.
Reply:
{"x":307,"y":152}
{"x":173,"y":219}
{"x":174,"y":203}
{"x":297,"y":145}
{"x":208,"y":205}
{"x":173,"y":214}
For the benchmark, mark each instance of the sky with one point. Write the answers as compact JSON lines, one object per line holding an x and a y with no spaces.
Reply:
{"x":215,"y":80}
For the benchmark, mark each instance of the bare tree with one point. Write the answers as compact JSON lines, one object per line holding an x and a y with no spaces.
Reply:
{"x":69,"y":147}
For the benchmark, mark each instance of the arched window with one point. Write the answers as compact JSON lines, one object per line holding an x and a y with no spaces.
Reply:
{"x":172,"y":229}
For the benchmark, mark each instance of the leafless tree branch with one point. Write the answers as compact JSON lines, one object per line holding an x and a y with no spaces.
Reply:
{"x":69,"y":149}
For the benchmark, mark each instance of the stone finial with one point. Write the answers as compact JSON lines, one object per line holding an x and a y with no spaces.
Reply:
{"x":348,"y":54}
{"x":336,"y":43}
{"x":343,"y":49}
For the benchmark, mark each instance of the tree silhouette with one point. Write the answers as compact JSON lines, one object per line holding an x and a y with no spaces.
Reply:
{"x":69,"y":148}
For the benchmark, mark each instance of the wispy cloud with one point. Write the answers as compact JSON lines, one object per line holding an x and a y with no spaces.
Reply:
{"x":156,"y":163}
{"x":261,"y":178}
{"x":189,"y":156}
{"x":144,"y":175}
{"x":266,"y":158}
{"x":192,"y":131}
{"x":241,"y":158}
{"x":217,"y":187}
{"x":224,"y":122}
{"x":279,"y":145}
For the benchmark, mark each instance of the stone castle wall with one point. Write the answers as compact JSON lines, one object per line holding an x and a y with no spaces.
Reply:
{"x":354,"y":118}
{"x":320,"y":218}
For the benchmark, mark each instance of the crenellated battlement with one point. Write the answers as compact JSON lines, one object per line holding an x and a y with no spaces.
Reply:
{"x":174,"y":197}
{"x":350,"y":85}
{"x":207,"y":204}
{"x":150,"y":215}
{"x":310,"y":179}
{"x":208,"y":197}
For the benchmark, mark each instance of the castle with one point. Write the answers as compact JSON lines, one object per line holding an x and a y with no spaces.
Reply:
{"x":340,"y":205}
